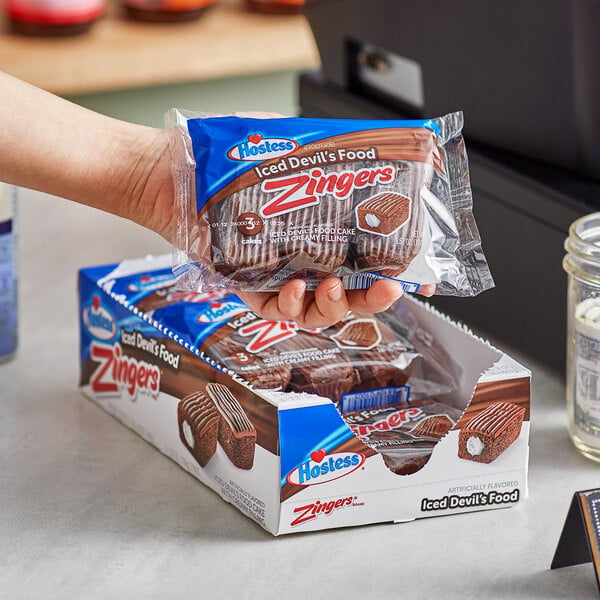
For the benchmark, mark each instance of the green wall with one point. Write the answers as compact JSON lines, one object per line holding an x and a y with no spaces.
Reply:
{"x":273,"y":92}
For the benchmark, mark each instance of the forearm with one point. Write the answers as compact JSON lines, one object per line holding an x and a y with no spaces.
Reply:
{"x":52,"y":145}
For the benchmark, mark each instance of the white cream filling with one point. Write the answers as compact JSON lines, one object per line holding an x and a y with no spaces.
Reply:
{"x":372,"y":220}
{"x":474,"y":446}
{"x":188,"y":435}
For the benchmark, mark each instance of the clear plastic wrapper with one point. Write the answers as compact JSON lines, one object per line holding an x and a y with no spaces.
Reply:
{"x":263,"y":201}
{"x":405,"y":434}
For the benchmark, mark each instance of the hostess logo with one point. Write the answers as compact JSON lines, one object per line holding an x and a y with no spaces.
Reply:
{"x":219,"y":311}
{"x":98,"y":320}
{"x":258,"y":148}
{"x":323,"y":467}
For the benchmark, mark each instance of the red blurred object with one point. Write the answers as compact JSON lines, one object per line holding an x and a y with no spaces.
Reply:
{"x":165,"y":11}
{"x":53,"y":17}
{"x":277,"y":6}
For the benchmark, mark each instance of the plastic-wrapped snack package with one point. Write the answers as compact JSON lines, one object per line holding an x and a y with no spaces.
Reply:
{"x":405,"y":434}
{"x":358,"y":199}
{"x":263,"y":201}
{"x":394,"y":359}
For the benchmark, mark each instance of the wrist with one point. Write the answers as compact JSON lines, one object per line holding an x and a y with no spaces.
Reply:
{"x":137,"y":182}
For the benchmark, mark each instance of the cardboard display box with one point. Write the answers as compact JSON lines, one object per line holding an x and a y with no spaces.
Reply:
{"x":289,"y":460}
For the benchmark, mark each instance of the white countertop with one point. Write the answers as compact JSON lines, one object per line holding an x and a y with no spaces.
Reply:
{"x":89,"y":510}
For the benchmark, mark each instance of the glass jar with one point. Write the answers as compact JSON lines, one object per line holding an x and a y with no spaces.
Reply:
{"x":165,"y":11}
{"x":53,"y":17}
{"x":582,"y":263}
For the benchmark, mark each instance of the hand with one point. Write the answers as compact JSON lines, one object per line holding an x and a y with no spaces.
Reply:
{"x":327,"y":305}
{"x":152,"y":199}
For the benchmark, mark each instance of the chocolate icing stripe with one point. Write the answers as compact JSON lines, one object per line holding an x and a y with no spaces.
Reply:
{"x":386,"y":203}
{"x":229,"y":407}
{"x":200,"y":411}
{"x":494,"y":418}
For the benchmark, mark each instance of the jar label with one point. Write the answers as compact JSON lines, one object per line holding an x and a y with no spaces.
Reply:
{"x":587,"y":368}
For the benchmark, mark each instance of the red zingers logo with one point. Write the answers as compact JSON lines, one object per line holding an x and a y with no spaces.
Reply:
{"x":313,"y":510}
{"x":396,"y":419}
{"x":117,"y":372}
{"x":267,"y":333}
{"x":294,"y":192}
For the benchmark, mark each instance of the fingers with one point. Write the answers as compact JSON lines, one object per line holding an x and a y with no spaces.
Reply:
{"x":328,"y":305}
{"x":287,"y":305}
{"x":379,"y":297}
{"x":323,"y":307}
{"x":427,"y":290}
{"x":292,"y":299}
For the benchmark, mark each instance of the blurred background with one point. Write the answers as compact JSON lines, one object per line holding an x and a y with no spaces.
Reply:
{"x":225,"y":56}
{"x":527,"y":86}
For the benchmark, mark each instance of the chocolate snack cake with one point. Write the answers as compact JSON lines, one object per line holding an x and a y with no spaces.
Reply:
{"x":231,"y":353}
{"x":487,"y":435}
{"x":198,"y":426}
{"x":380,"y":357}
{"x":237,"y":435}
{"x":402,"y":453}
{"x":241,"y":247}
{"x":316,"y":243}
{"x":436,"y":426}
{"x":383,"y":214}
{"x":391,"y":253}
{"x":246,"y":247}
{"x":264,"y":201}
{"x":318,"y":365}
{"x":361,"y":334}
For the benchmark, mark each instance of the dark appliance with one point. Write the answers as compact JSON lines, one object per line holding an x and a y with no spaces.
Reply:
{"x":372,"y":59}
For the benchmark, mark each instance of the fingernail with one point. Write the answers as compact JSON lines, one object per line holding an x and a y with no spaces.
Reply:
{"x":299,"y":293}
{"x":398,"y":292}
{"x":335,"y":294}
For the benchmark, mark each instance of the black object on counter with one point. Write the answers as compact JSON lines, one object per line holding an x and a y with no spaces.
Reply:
{"x":580,"y":538}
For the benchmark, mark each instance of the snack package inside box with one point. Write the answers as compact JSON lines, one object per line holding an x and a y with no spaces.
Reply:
{"x":264,"y":201}
{"x":361,"y":362}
